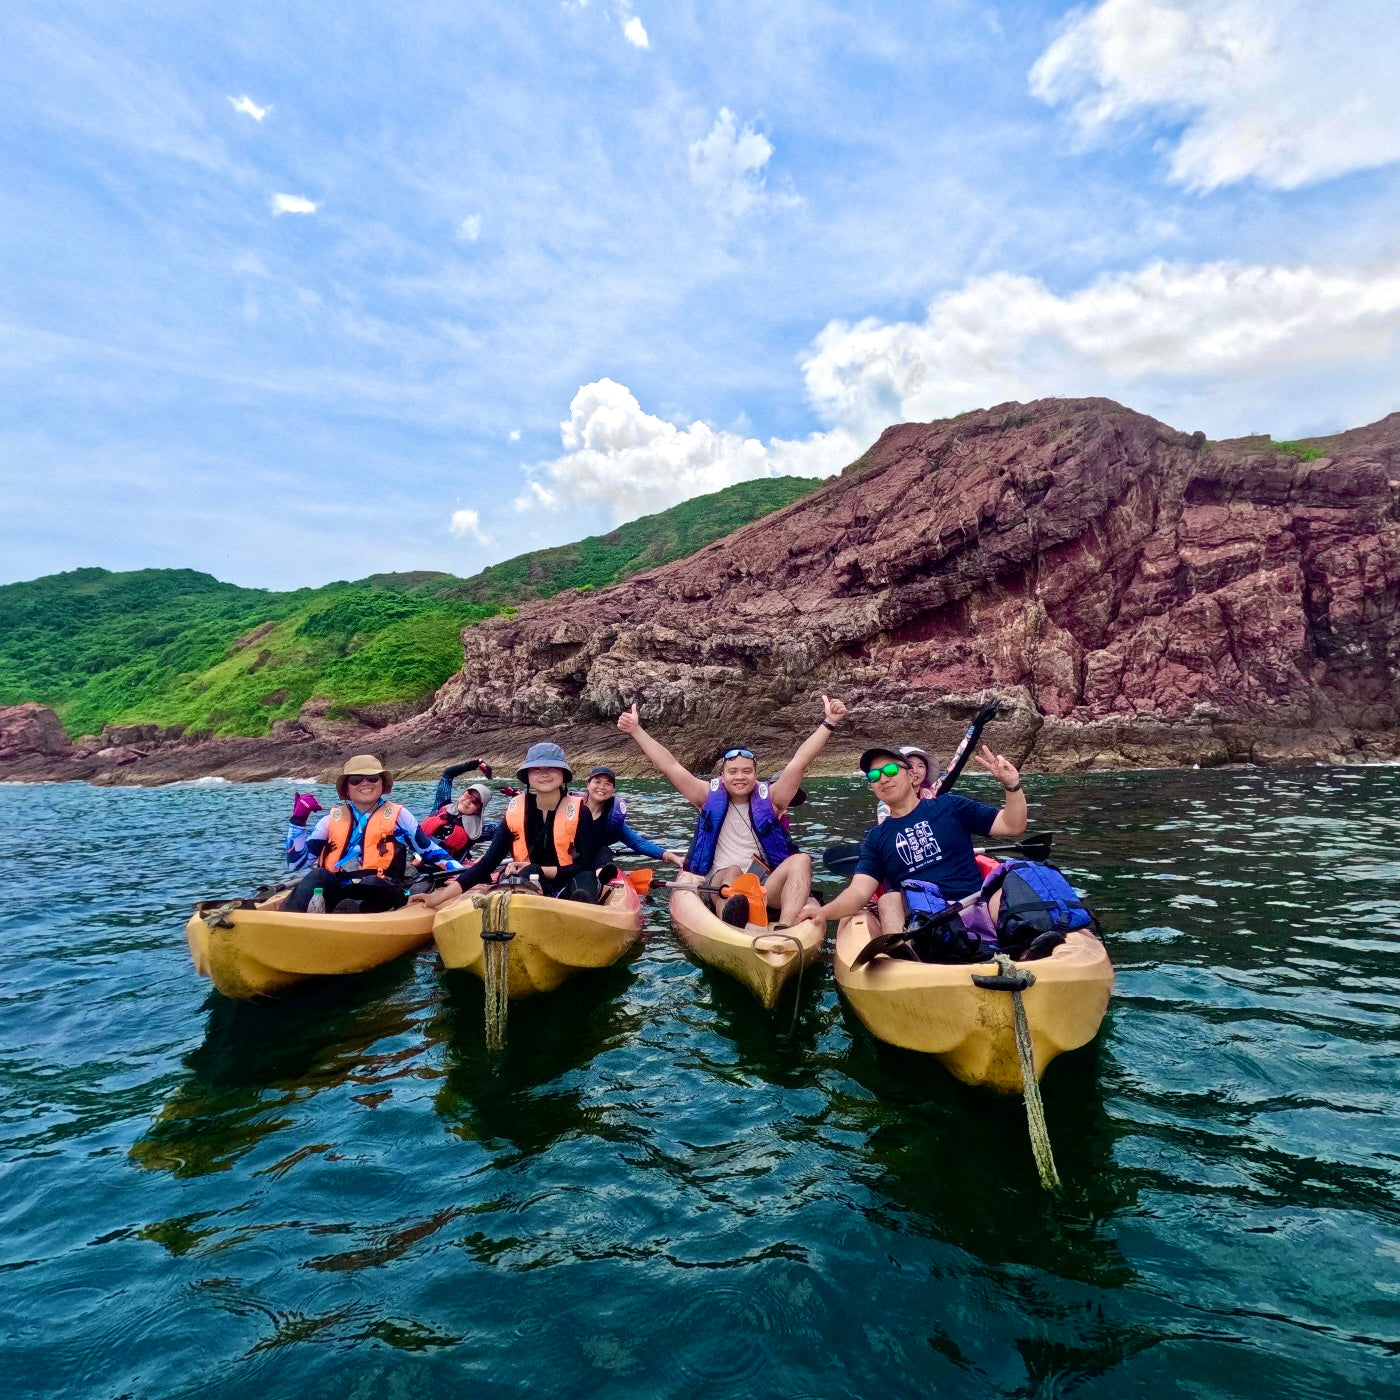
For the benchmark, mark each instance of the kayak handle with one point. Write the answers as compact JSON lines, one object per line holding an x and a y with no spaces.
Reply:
{"x":999,"y":982}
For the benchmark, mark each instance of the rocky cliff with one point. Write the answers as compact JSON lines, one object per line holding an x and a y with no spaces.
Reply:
{"x":1134,"y":595}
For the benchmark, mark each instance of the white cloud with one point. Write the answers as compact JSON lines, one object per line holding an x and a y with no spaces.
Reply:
{"x":634,"y":31}
{"x":467,"y":523}
{"x":293,"y":204}
{"x":1286,"y":92}
{"x":615,"y":452}
{"x":469,"y":230}
{"x":249,"y":108}
{"x":727,"y":165}
{"x":514,"y":435}
{"x":1009,"y":337}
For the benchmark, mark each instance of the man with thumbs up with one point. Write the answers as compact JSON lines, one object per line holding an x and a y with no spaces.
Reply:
{"x":740,"y":827}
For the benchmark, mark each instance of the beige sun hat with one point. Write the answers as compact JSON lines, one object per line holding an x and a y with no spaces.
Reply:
{"x":362,"y":764}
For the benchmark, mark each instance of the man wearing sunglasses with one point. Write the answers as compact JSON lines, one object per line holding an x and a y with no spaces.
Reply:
{"x":361,"y":846}
{"x":740,"y":826}
{"x":923,"y":838}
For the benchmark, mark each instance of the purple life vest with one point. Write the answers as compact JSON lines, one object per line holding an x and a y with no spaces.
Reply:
{"x":767,"y":828}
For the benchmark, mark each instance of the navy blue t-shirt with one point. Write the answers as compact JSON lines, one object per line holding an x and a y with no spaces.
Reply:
{"x":934,"y":842}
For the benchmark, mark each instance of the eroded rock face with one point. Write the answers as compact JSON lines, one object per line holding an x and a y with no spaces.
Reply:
{"x":28,"y":731}
{"x":1135,"y":595}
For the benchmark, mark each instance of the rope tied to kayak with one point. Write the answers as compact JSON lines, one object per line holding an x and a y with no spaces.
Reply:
{"x":1009,"y":978}
{"x":796,"y":942}
{"x":495,"y":972}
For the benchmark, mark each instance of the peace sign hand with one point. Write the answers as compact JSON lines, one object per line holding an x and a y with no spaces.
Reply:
{"x":999,"y":766}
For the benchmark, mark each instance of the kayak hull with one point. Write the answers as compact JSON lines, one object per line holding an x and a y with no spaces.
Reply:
{"x":264,"y":950}
{"x":763,"y":959}
{"x":936,"y":1009}
{"x":553,"y":939}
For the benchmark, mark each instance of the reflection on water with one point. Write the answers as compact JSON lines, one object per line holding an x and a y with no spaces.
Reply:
{"x":655,"y":1189}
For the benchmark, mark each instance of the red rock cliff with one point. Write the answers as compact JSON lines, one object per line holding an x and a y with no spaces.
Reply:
{"x":1134,"y":594}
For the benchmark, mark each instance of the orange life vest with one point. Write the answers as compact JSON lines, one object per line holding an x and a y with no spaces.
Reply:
{"x":378,"y":852}
{"x":566,"y":817}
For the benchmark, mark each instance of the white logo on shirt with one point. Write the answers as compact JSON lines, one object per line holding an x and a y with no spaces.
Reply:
{"x":916,"y":845}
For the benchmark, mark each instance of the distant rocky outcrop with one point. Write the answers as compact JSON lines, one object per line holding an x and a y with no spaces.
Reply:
{"x":1133,"y":595}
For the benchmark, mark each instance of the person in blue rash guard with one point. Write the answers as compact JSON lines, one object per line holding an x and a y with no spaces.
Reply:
{"x":923,"y":838}
{"x":609,"y":812}
{"x":361,"y":846}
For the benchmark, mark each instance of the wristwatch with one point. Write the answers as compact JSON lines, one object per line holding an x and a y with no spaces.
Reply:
{"x":829,"y":725}
{"x":1017,"y":788}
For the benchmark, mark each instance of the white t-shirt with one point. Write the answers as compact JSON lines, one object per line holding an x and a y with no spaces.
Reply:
{"x":737,"y":843}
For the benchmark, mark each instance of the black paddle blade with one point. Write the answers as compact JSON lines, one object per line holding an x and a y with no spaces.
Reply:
{"x":1036,"y":847}
{"x":841,"y":860}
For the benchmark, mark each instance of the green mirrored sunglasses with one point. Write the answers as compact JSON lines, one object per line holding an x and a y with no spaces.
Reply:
{"x":885,"y":770}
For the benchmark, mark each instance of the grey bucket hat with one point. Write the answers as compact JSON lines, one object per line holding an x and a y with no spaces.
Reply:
{"x":544,"y":756}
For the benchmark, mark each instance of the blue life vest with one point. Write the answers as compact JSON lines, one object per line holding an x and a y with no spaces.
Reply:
{"x":1036,"y":899}
{"x":768,"y":829}
{"x":616,"y":820}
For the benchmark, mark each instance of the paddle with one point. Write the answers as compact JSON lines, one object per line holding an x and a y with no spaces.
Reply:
{"x":841,"y":860}
{"x":945,"y":780}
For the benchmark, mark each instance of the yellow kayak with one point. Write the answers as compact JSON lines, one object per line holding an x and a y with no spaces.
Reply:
{"x":552,"y":938}
{"x":936,"y":1008}
{"x":261,"y":951}
{"x":763,"y":959}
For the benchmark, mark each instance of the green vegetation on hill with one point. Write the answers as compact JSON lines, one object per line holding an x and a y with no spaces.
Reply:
{"x":173,"y":646}
{"x":640,"y":544}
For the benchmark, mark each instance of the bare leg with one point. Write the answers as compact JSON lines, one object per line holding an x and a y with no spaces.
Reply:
{"x":725,"y":875}
{"x":789,"y":886}
{"x":892,"y":913}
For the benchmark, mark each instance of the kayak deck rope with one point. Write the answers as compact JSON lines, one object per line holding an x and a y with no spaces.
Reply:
{"x":495,"y":972}
{"x":797,"y":944}
{"x":1009,"y":978}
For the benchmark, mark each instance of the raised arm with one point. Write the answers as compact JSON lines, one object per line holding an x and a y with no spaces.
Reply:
{"x":694,"y":790}
{"x":785,"y":789}
{"x":1011,"y":820}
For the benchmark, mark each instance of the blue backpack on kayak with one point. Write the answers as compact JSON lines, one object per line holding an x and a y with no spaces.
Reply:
{"x":1038,"y":907}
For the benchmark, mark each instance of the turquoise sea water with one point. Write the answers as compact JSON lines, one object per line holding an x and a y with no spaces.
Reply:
{"x":655,"y":1190}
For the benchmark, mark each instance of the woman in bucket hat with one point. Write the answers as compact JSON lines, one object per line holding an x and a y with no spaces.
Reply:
{"x":540,"y":835}
{"x":361,"y":846}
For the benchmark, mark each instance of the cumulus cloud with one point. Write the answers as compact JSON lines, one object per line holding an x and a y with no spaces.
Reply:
{"x":467,"y":523}
{"x":469,"y":230}
{"x":1010,"y":337}
{"x":616,"y":452}
{"x":1155,"y":337}
{"x":293,"y":204}
{"x":634,"y":31}
{"x":249,"y":108}
{"x":1286,"y":92}
{"x":727,"y":165}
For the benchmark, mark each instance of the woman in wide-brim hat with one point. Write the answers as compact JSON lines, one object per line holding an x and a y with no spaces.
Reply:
{"x":363,"y":765}
{"x":361,"y":847}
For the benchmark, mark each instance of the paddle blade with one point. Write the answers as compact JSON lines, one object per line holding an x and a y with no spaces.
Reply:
{"x":640,"y":880}
{"x":841,"y":860}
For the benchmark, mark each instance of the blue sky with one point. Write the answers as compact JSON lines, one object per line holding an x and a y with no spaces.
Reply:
{"x":297,"y":292}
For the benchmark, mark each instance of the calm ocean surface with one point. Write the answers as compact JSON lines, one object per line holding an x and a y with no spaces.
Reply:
{"x":655,"y":1190}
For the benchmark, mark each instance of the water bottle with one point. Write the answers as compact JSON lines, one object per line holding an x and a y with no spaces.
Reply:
{"x":318,"y":902}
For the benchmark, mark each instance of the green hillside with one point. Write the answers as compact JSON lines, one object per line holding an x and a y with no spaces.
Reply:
{"x":640,"y":544}
{"x":173,"y":646}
